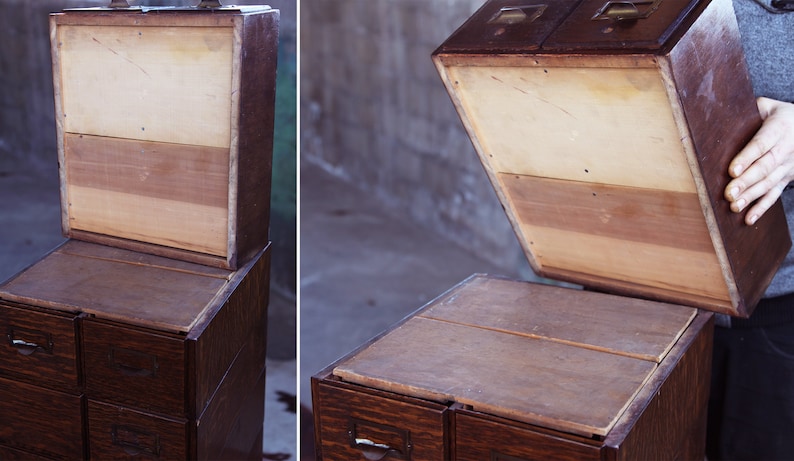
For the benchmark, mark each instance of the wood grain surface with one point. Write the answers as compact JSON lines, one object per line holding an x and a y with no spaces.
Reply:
{"x":168,"y":194}
{"x":619,"y":325}
{"x":40,"y":420}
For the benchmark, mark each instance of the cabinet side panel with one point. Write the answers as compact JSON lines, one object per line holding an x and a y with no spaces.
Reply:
{"x":717,"y":99}
{"x":239,"y":319}
{"x":254,"y":140}
{"x":673,"y":424}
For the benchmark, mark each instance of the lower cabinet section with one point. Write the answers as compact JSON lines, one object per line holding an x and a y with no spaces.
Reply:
{"x":39,"y":421}
{"x":96,"y":368}
{"x":117,"y":432}
{"x":500,"y":370}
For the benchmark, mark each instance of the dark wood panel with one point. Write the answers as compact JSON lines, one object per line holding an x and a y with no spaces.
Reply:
{"x":755,"y":252}
{"x":229,"y":402}
{"x":39,"y":346}
{"x":652,"y":28}
{"x":478,"y":439}
{"x":501,"y":26}
{"x":238,"y":316}
{"x":134,"y":367}
{"x":360,"y":425}
{"x":121,"y":433}
{"x":42,"y":421}
{"x":11,"y":454}
{"x":244,"y":436}
{"x":668,"y":419}
{"x":259,"y":56}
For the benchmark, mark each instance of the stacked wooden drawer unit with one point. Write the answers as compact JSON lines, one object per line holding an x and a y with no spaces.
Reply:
{"x":143,"y":336}
{"x":606,"y":128}
{"x":112,"y":353}
{"x":498,"y":369}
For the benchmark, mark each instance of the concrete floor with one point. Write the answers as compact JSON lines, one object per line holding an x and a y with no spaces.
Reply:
{"x":362,"y":269}
{"x":30,"y":227}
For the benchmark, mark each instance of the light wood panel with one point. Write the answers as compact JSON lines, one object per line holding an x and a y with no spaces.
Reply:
{"x":168,"y":194}
{"x":655,"y":238}
{"x":603,"y":125}
{"x":169,"y":84}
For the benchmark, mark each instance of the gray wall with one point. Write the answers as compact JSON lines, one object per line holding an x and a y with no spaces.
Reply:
{"x":374,"y":112}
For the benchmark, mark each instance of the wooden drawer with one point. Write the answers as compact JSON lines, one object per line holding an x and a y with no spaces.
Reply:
{"x":39,"y":346}
{"x":11,"y":454}
{"x":478,"y":439}
{"x":42,"y":421}
{"x":120,"y":433}
{"x":134,"y":367}
{"x":622,"y":186}
{"x":517,"y":371}
{"x":356,"y":423}
{"x":153,"y":158}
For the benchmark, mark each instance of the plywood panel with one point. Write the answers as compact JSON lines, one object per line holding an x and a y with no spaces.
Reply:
{"x":659,"y":217}
{"x":169,"y":84}
{"x":678,"y":270}
{"x":603,"y":125}
{"x":168,"y":194}
{"x":161,"y":221}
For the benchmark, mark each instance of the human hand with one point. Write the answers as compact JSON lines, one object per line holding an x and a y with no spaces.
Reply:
{"x":765,"y":166}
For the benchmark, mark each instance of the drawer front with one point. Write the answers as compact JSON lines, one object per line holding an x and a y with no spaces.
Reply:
{"x":120,"y":433}
{"x":359,"y":425}
{"x":134,"y":368}
{"x":41,"y":421}
{"x":11,"y":454}
{"x":478,"y":439}
{"x":39,"y":346}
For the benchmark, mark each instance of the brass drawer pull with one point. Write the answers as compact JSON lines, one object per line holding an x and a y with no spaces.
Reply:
{"x":626,"y":10}
{"x":133,"y":363}
{"x":27,"y":341}
{"x":395,"y":442}
{"x":135,"y":442}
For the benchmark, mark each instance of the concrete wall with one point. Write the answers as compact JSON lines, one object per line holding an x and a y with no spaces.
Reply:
{"x":374,"y":112}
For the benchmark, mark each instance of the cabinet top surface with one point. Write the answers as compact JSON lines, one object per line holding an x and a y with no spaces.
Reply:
{"x":564,"y":359}
{"x":120,"y":285}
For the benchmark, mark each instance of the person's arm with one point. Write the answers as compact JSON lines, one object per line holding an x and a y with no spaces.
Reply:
{"x":765,"y":166}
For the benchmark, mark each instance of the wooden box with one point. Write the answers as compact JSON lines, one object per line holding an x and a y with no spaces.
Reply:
{"x":606,"y":128}
{"x":113,"y":354}
{"x":165,"y":128}
{"x":504,"y":370}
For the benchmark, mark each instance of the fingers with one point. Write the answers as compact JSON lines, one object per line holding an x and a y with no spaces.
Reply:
{"x":763,"y":204}
{"x":763,"y":168}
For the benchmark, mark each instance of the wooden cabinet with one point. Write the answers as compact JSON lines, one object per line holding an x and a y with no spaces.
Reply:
{"x":164,"y":120}
{"x":507,"y":370}
{"x":607,"y":128}
{"x":111,"y":354}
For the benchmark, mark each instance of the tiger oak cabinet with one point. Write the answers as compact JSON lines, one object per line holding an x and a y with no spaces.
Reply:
{"x":498,"y":369}
{"x":164,"y":122}
{"x":606,"y":128}
{"x":115,"y":354}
